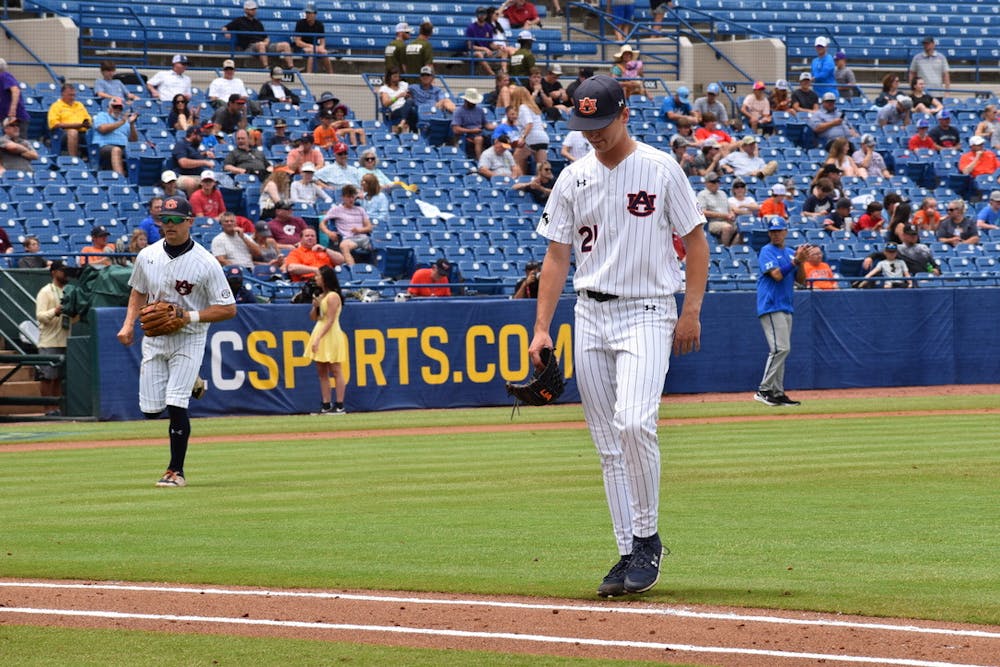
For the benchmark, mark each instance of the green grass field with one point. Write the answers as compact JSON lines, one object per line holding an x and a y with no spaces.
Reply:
{"x":893,"y":516}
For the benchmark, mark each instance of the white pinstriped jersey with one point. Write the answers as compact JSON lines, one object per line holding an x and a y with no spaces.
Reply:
{"x":621,"y":221}
{"x":194,"y":280}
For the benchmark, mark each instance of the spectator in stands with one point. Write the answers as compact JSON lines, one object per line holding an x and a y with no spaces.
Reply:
{"x":207,"y":201}
{"x":740,"y":202}
{"x":181,"y":115}
{"x":5,"y":245}
{"x":892,"y":268}
{"x":931,"y":66}
{"x":840,"y":217}
{"x":107,"y":87}
{"x":325,"y":101}
{"x":554,"y":95}
{"x":35,"y":260}
{"x":918,"y":257}
{"x":276,"y":92}
{"x":956,"y":228}
{"x":677,"y":106}
{"x":306,"y":190}
{"x":16,"y":153}
{"x":822,"y":68}
{"x":715,"y":205}
{"x":499,"y":97}
{"x":828,"y":170}
{"x":310,"y":40}
{"x":989,"y":127}
{"x":847,"y":83}
{"x":71,"y":117}
{"x":922,"y":101}
{"x":501,"y":27}
{"x":890,"y":90}
{"x":270,"y":253}
{"x":922,"y":140}
{"x":746,"y":162}
{"x":307,"y":256}
{"x":540,"y":186}
{"x":304,"y":152}
{"x":899,"y":217}
{"x":707,"y":160}
{"x":395,"y":49}
{"x":190,"y":160}
{"x":582,"y":75}
{"x":351,"y":229}
{"x":498,"y":160}
{"x":527,"y":287}
{"x":988,"y":216}
{"x":287,"y":229}
{"x":437,"y":274}
{"x":622,"y":17}
{"x":521,"y":14}
{"x":780,"y":98}
{"x":232,"y":246}
{"x":11,"y":100}
{"x":820,"y":202}
{"x":927,"y":216}
{"x":817,"y":273}
{"x":944,"y":135}
{"x":685,"y":131}
{"x":419,"y":52}
{"x":395,"y":97}
{"x":369,"y":165}
{"x":169,"y":185}
{"x":246,"y":159}
{"x":165,"y":85}
{"x":479,"y":38}
{"x":896,"y":112}
{"x":221,"y":88}
{"x":335,"y":175}
{"x":534,"y":136}
{"x":828,"y":123}
{"x":233,"y":116}
{"x":627,"y":68}
{"x":839,"y":154}
{"x":375,"y":202}
{"x":150,"y":225}
{"x":575,"y":146}
{"x":710,"y":129}
{"x":869,"y":159}
{"x":251,"y":37}
{"x":756,"y":108}
{"x":871,"y":219}
{"x":804,"y":98}
{"x":280,"y":136}
{"x":775,"y":204}
{"x":522,"y":60}
{"x":679,"y":149}
{"x":710,"y":104}
{"x":469,"y":121}
{"x":275,"y":188}
{"x":978,"y":161}
{"x":113,"y":129}
{"x":325,"y":136}
{"x":425,"y":92}
{"x":98,"y":245}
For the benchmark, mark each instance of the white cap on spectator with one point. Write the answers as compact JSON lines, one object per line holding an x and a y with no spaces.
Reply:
{"x":250,"y":4}
{"x":208,"y":175}
{"x":403,"y":27}
{"x":168,"y":176}
{"x":822,"y":41}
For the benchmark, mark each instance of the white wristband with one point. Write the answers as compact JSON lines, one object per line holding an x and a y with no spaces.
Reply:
{"x":194,"y":316}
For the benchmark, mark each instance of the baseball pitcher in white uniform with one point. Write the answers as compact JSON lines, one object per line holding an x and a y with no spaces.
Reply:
{"x":617,"y":210}
{"x":178,"y":271}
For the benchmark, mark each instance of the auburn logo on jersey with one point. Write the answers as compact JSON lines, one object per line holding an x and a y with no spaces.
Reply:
{"x":641,"y":204}
{"x":587,"y":106}
{"x":183,"y":287}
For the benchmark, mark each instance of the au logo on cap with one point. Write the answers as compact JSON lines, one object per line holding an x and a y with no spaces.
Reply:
{"x":587,"y":106}
{"x":170,"y":204}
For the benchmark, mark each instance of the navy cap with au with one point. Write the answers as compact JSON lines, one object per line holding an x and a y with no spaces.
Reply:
{"x":599,"y":100}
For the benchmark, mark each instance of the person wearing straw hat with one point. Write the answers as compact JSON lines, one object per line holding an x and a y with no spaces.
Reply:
{"x":469,"y":121}
{"x":627,"y":68}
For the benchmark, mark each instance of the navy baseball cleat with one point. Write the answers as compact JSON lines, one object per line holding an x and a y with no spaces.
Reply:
{"x":643,"y":569}
{"x":767,"y":398}
{"x":614,"y":581}
{"x":783,"y":399}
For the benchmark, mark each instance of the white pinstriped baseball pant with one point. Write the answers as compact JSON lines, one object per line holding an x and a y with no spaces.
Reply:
{"x":622,"y":350}
{"x":170,"y":366}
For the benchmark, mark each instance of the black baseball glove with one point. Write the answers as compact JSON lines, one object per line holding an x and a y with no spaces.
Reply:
{"x":545,"y":386}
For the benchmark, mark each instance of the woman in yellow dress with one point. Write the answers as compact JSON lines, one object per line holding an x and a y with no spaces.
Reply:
{"x":328,"y":342}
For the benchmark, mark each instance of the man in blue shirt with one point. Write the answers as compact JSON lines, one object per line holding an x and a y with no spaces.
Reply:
{"x":823,"y":67}
{"x":828,"y":123}
{"x":780,"y":268}
{"x":678,"y":106}
{"x":988,"y":216}
{"x":113,"y":129}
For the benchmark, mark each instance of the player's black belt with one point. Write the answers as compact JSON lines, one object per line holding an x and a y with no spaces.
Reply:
{"x":600,"y":296}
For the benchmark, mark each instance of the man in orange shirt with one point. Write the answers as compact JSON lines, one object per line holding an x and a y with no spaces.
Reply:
{"x":307,"y":256}
{"x":436,"y":274}
{"x":978,"y":160}
{"x":775,"y":204}
{"x":99,"y":240}
{"x":325,"y":134}
{"x":921,"y":139}
{"x":815,"y":267}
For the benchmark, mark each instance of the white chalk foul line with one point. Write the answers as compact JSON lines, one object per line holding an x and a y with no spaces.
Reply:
{"x":545,"y":639}
{"x":652,"y":611}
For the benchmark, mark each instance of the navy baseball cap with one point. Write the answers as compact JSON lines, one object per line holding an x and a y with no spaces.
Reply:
{"x":599,"y":100}
{"x":776,"y":224}
{"x":177,"y":205}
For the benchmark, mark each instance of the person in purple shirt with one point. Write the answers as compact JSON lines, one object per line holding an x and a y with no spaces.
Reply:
{"x":479,"y":39}
{"x":11,"y":100}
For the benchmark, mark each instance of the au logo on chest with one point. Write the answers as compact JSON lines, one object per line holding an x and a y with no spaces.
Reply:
{"x":183,"y":287}
{"x":641,"y":204}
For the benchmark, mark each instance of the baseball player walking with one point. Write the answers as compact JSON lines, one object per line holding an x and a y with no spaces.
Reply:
{"x":176,"y":270}
{"x":780,"y":267}
{"x":616,"y":209}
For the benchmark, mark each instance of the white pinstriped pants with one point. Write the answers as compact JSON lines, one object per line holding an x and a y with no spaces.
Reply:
{"x":170,"y":366}
{"x":622,"y":350}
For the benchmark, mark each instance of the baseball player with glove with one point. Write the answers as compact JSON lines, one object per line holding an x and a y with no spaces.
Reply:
{"x":178,"y":288}
{"x":616,"y":210}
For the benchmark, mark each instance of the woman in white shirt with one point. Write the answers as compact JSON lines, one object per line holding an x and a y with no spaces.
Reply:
{"x":740,"y":202}
{"x":395,"y":96}
{"x":534,"y":136}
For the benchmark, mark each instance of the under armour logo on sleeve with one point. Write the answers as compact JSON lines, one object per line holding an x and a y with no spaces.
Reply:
{"x":581,"y":183}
